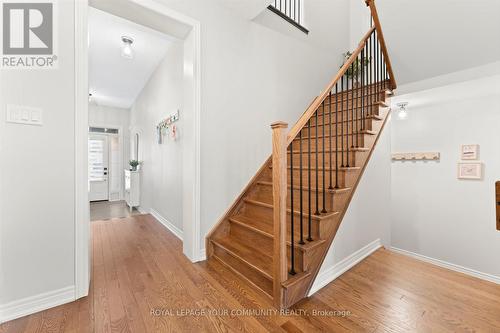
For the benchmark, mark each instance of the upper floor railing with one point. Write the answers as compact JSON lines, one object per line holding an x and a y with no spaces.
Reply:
{"x":291,"y":11}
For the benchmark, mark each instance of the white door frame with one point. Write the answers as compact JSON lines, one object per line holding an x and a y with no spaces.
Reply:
{"x":192,"y":239}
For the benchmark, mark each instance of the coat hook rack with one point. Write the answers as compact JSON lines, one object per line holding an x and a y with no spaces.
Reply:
{"x":430,"y":156}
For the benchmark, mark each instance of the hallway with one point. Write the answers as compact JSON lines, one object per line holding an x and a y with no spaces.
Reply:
{"x":143,"y":283}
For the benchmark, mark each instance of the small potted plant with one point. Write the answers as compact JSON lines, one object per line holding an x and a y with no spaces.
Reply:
{"x":133,"y":165}
{"x":354,"y":71}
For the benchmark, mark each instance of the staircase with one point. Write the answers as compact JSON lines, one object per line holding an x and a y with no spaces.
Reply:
{"x":278,"y":231}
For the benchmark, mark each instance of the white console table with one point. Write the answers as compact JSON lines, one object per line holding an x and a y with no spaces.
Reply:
{"x":132,"y":188}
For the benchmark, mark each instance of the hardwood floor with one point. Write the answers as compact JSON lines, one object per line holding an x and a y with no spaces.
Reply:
{"x":105,"y":210}
{"x":143,"y":283}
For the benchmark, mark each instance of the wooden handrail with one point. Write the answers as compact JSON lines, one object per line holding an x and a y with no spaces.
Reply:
{"x":315,"y":105}
{"x":376,"y":21}
{"x":280,"y":273}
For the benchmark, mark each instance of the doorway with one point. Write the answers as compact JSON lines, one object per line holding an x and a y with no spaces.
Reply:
{"x":158,"y":17}
{"x":99,"y":172}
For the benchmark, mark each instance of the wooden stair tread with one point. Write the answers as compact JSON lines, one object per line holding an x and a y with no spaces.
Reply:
{"x":367,"y":105}
{"x":294,"y":279}
{"x":247,"y":253}
{"x":314,"y":217}
{"x":266,"y":229}
{"x":368,"y":117}
{"x":350,"y":168}
{"x":313,"y":189}
{"x":358,"y":149}
{"x":259,"y":225}
{"x":320,"y":136}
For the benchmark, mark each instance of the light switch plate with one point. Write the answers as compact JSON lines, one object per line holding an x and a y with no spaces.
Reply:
{"x":26,"y":115}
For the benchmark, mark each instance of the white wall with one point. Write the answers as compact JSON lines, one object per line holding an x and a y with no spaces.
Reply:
{"x":37,"y":190}
{"x":433,"y":213}
{"x":427,"y":38}
{"x":105,"y":116}
{"x":251,"y":76}
{"x":359,"y":23}
{"x":368,"y":218}
{"x":161,"y":169}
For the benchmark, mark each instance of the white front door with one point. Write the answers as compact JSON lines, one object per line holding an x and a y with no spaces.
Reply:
{"x":98,"y":168}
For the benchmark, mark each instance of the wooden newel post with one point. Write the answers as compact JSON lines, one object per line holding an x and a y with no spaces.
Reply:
{"x":279,"y":213}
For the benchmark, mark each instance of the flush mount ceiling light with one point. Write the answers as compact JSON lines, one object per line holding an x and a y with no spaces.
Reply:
{"x":127,"y":51}
{"x":402,"y":110}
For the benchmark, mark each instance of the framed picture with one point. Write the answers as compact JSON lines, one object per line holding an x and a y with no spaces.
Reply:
{"x":470,"y":170}
{"x":469,"y":152}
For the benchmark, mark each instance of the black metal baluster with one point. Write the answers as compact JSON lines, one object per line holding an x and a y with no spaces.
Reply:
{"x":371,"y":79}
{"x":347,"y":119}
{"x":377,"y":61}
{"x":323,"y":158}
{"x":378,"y":69}
{"x":301,"y":241}
{"x":292,"y":244}
{"x":337,"y":134}
{"x":300,"y":10}
{"x":363,"y":90}
{"x":357,"y":100}
{"x":342,"y":121}
{"x":352,"y":109}
{"x":330,"y":143}
{"x":317,"y":166}
{"x":386,"y":78}
{"x":309,"y":221}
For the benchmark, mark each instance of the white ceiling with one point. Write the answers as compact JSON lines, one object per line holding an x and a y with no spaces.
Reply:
{"x":428,"y":38}
{"x":113,"y":80}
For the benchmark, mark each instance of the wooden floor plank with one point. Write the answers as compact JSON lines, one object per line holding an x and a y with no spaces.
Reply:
{"x":139,"y":272}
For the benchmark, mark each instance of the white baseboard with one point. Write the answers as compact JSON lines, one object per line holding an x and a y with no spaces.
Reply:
{"x":203,"y":255}
{"x":37,"y":303}
{"x":176,"y":231}
{"x":141,"y":210}
{"x":448,"y":265}
{"x":343,"y":266}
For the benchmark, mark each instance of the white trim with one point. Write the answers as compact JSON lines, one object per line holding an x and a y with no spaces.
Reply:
{"x":82,"y":219}
{"x":142,"y":211}
{"x":343,"y":266}
{"x":37,"y":303}
{"x":166,"y":223}
{"x":202,"y":255}
{"x":448,"y":265}
{"x":197,"y":239}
